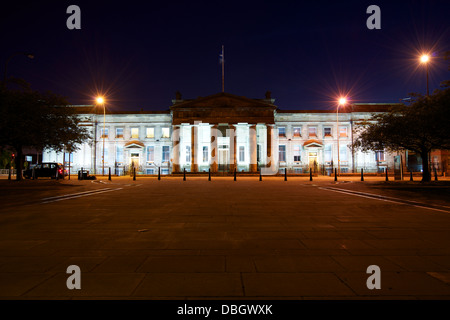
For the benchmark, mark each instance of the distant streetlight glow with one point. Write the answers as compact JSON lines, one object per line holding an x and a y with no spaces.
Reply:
{"x":425,"y":58}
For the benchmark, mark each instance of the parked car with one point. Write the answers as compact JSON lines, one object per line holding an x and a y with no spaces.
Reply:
{"x":46,"y":169}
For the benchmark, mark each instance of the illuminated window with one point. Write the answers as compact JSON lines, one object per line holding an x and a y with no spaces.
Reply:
{"x":119,"y":132}
{"x":282,"y":132}
{"x":205,"y":154}
{"x":165,"y":153}
{"x":135,"y":133}
{"x":327,"y":153}
{"x":282,"y":153}
{"x":165,"y":133}
{"x":241,"y":153}
{"x":297,"y":132}
{"x":188,"y":154}
{"x":297,"y":153}
{"x":343,"y":131}
{"x":119,"y":154}
{"x":104,"y":132}
{"x":150,"y":153}
{"x":150,"y":133}
{"x":312,"y":131}
{"x":380,"y":156}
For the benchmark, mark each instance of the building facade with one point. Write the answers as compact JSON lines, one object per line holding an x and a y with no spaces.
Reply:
{"x":224,"y":133}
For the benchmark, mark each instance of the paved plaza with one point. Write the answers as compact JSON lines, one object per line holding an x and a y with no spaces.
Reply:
{"x":224,"y":239}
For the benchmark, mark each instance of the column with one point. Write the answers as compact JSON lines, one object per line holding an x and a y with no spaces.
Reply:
{"x":194,"y":144}
{"x":176,"y":149}
{"x":253,"y":149}
{"x":214,"y":150}
{"x":232,"y":130}
{"x":269,"y":146}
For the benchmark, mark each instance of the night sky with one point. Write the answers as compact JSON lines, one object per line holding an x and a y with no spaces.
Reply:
{"x":307,"y":53}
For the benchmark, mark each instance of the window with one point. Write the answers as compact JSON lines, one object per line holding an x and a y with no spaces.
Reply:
{"x":380,"y":156}
{"x":150,"y":133}
{"x":298,"y":170}
{"x":312,"y":131}
{"x":165,"y":133}
{"x":205,"y":154}
{"x":297,"y":132}
{"x":343,"y":153}
{"x":119,"y":154}
{"x":282,"y":132}
{"x":282,"y":153}
{"x":327,"y":153}
{"x":327,"y":132}
{"x":297,"y":153}
{"x":104,"y":132}
{"x":119,"y":132}
{"x":150,"y":171}
{"x":343,"y":131}
{"x":165,"y":153}
{"x":241,"y":154}
{"x":188,"y":154}
{"x":29,"y":158}
{"x":150,"y":154}
{"x":164,"y":171}
{"x":135,"y":133}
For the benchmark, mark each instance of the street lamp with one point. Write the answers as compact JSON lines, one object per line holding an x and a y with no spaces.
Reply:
{"x":101,"y":101}
{"x":29,"y":55}
{"x":342,"y":102}
{"x":425,"y":59}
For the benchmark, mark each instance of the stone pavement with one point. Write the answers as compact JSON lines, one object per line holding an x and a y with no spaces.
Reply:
{"x":223,"y":239}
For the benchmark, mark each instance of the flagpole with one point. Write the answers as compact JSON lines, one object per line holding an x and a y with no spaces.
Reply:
{"x":223,"y":71}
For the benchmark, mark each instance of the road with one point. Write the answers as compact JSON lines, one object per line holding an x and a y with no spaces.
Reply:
{"x":225,"y":239}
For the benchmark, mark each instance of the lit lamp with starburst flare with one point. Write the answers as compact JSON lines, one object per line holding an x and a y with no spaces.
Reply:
{"x":425,"y":59}
{"x":342,"y":102}
{"x":101,"y":101}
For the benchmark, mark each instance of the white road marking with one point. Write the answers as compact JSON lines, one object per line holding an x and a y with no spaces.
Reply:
{"x":79,"y":195}
{"x":383,"y":198}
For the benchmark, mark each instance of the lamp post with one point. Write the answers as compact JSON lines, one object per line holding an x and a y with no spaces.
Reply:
{"x":342,"y":102}
{"x":29,"y":55}
{"x":425,"y":59}
{"x":101,"y":101}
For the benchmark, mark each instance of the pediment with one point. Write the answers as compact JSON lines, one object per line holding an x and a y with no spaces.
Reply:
{"x":223,"y":100}
{"x":223,"y":107}
{"x":134,"y":144}
{"x":313,"y":143}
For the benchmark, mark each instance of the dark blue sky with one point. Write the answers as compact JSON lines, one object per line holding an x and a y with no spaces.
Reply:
{"x":305,"y":52}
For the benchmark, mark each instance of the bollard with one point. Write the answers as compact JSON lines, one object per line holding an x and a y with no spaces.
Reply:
{"x":234,"y":174}
{"x":81,"y":173}
{"x":410,"y":176}
{"x":209,"y":174}
{"x":362,"y":174}
{"x":134,"y":174}
{"x":184,"y":174}
{"x":335,"y":174}
{"x":285,"y":174}
{"x":387,"y":178}
{"x":9,"y":173}
{"x":159,"y":173}
{"x":109,"y":174}
{"x":310,"y":174}
{"x":435,"y":174}
{"x":260,"y":176}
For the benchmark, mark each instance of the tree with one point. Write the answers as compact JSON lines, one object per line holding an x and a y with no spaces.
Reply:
{"x":421,"y":127}
{"x":38,"y":120}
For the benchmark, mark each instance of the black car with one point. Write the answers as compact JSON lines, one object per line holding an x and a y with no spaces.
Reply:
{"x":46,"y":169}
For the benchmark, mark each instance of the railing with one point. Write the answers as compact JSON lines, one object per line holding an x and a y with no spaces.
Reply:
{"x":6,"y":171}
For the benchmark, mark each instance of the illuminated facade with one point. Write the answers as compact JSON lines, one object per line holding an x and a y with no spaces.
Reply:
{"x":223,"y":133}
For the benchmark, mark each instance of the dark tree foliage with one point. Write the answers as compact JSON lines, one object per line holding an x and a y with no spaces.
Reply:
{"x":38,"y":120}
{"x":421,"y":126}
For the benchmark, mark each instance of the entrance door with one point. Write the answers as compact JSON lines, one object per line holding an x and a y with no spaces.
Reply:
{"x":313,"y":164}
{"x":134,"y":160}
{"x":223,"y":158}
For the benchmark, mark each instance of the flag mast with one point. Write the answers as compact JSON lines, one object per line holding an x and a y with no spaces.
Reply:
{"x":223,"y":71}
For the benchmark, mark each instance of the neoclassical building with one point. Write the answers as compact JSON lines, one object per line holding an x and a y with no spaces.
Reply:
{"x":222,"y":133}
